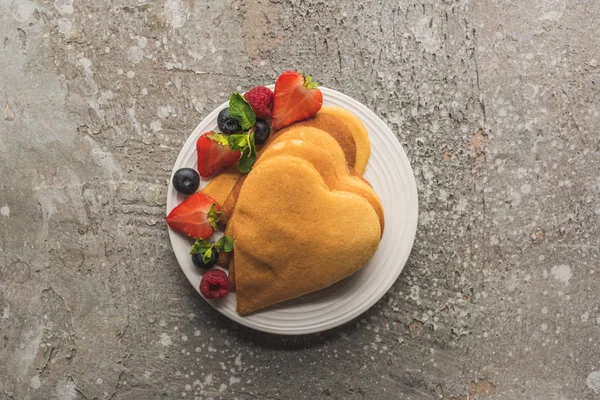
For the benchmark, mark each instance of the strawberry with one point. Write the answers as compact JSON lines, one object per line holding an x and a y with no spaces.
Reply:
{"x":296,"y":98}
{"x":196,"y":216}
{"x":214,"y":153}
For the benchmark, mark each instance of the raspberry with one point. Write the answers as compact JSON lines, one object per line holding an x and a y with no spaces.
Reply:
{"x":261,"y":101}
{"x":214,"y":284}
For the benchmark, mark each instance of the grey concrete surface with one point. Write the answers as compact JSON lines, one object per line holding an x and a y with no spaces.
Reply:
{"x":495,"y":102}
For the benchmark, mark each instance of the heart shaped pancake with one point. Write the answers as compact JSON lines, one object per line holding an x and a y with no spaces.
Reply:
{"x":325,"y":153}
{"x":294,"y":235}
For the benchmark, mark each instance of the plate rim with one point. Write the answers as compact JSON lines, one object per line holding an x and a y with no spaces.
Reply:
{"x":412,"y":220}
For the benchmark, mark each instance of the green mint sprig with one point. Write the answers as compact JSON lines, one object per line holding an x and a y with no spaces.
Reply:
{"x":241,"y":110}
{"x":245,"y":143}
{"x":206,"y":248}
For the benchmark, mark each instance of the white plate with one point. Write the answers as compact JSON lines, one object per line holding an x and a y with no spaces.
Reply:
{"x":392,"y":178}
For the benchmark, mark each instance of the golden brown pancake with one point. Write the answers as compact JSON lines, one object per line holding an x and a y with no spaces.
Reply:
{"x":323,"y":152}
{"x":220,"y":186}
{"x":231,"y":275}
{"x":229,"y":204}
{"x":293,"y":235}
{"x":359,"y":132}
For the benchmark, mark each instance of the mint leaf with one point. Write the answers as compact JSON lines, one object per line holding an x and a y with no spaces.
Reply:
{"x":225,"y":244}
{"x":252,"y":142}
{"x":248,"y":157}
{"x":213,"y":216}
{"x":238,"y":142}
{"x":200,"y":246}
{"x":241,"y":111}
{"x":218,"y":137}
{"x":207,"y":255}
{"x":246,"y":162}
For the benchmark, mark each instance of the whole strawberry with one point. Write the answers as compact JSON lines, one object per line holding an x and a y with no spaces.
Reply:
{"x":260,"y":99}
{"x":214,"y":284}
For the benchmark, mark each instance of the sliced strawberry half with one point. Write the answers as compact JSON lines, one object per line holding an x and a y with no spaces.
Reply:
{"x":196,"y":216}
{"x":214,"y":153}
{"x":296,"y":98}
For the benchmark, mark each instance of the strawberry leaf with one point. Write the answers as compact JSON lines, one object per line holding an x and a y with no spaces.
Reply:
{"x":309,"y":83}
{"x":219,"y":138}
{"x":238,"y":142}
{"x":241,"y":111}
{"x":200,"y":246}
{"x":225,"y":244}
{"x":214,"y":216}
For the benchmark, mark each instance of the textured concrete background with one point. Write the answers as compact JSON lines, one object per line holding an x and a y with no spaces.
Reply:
{"x":496,"y":103}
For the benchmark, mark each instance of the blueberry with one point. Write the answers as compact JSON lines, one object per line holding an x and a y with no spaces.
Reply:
{"x":227,"y":124}
{"x":186,"y":180}
{"x":198,"y":260}
{"x":262,"y":131}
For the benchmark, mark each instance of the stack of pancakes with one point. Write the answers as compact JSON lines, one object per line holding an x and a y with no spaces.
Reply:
{"x":303,"y":218}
